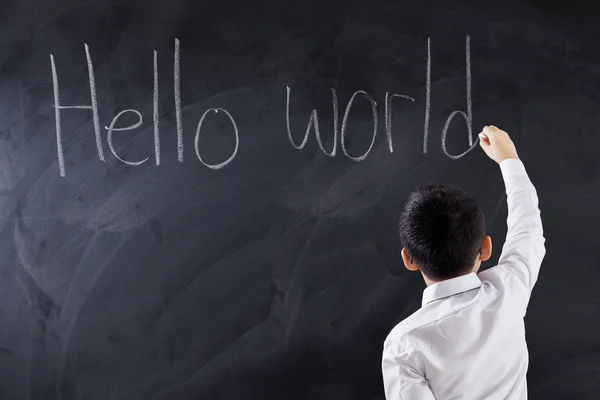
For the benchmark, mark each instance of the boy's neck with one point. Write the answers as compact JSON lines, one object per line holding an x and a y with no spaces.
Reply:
{"x":430,"y":282}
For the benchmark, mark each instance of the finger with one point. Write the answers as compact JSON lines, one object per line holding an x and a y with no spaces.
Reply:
{"x":484,"y":141}
{"x":489,"y":132}
{"x":484,"y":133}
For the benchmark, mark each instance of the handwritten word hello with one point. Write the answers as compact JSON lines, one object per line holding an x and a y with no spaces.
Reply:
{"x":313,"y":122}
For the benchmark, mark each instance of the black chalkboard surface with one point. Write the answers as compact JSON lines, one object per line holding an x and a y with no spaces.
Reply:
{"x":169,"y":232}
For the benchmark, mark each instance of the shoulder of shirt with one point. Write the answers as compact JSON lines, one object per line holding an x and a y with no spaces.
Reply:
{"x":404,"y":328}
{"x":425,"y":316}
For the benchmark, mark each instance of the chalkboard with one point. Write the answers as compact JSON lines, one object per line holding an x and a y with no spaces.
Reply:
{"x":169,"y":229}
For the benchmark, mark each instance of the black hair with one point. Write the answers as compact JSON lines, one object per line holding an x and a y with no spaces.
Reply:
{"x":441,"y":229}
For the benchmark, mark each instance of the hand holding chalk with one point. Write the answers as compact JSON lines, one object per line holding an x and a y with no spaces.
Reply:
{"x":497,"y":144}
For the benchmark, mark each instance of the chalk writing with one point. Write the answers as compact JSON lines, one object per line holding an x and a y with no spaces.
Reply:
{"x":339,"y":132}
{"x":111,"y":128}
{"x":93,"y":107}
{"x":468,"y":116}
{"x":94,"y":98}
{"x":177,"y":90}
{"x":313,"y":120}
{"x":155,"y":115}
{"x":427,"y":97}
{"x":388,"y":115}
{"x":235,"y":131}
{"x":61,"y":159}
{"x":345,"y":122}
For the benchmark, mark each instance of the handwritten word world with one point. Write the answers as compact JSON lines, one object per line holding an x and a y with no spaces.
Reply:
{"x":339,"y":131}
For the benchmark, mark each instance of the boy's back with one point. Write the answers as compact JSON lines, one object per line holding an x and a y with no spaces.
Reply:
{"x":468,"y":339}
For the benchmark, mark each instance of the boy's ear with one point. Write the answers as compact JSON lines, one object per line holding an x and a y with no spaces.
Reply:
{"x":486,"y":249}
{"x":408,"y":262}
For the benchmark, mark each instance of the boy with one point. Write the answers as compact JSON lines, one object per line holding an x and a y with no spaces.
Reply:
{"x":468,"y":339}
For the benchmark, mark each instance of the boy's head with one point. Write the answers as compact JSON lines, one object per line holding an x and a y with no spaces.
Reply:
{"x":443,"y":233}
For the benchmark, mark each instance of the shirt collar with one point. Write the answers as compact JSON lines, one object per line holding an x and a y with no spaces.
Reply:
{"x":451,"y":287}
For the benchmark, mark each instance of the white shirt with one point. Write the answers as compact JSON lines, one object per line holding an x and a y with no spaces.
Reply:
{"x":467,"y":341}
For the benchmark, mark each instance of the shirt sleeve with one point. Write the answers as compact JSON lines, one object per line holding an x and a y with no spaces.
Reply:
{"x":524,"y":249}
{"x":402,"y":377}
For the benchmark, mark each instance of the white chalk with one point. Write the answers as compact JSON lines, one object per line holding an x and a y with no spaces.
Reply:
{"x":427,"y":97}
{"x":345,"y":122}
{"x":468,"y":116}
{"x":111,"y":128}
{"x":388,"y":115}
{"x":177,"y":93}
{"x":235,"y":131}
{"x":313,"y":121}
{"x":155,"y":116}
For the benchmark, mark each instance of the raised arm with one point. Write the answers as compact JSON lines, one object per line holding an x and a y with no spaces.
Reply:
{"x":524,"y":249}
